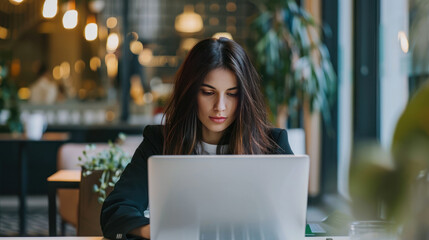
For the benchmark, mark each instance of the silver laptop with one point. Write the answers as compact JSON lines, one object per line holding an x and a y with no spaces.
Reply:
{"x":222,"y":197}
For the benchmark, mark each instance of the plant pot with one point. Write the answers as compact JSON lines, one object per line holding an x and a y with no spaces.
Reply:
{"x":89,"y":207}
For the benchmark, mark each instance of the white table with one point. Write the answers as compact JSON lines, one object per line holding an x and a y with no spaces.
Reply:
{"x":101,"y":238}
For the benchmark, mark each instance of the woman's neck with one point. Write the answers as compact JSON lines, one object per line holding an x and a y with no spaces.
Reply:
{"x":211,"y":137}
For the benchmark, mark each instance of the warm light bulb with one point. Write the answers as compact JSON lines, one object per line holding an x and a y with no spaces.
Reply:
{"x":16,"y":2}
{"x":111,"y":22}
{"x":70,"y":19}
{"x":56,"y":72}
{"x":94,"y":63}
{"x":136,"y":47}
{"x":3,"y":32}
{"x":50,"y":8}
{"x":403,"y":41}
{"x":65,"y":69}
{"x":145,"y":57}
{"x":111,"y":64}
{"x":112,"y":42}
{"x":91,"y":31}
{"x":79,"y":66}
{"x":24,"y":93}
{"x":188,"y":21}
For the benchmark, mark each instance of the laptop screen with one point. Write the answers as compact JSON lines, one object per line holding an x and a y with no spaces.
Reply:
{"x":249,"y":196}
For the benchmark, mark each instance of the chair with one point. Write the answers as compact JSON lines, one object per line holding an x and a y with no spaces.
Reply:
{"x":68,"y":199}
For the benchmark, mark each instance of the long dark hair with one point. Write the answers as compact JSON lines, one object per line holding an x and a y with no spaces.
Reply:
{"x":249,"y":133}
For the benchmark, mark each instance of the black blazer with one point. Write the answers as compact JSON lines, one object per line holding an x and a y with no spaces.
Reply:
{"x":122,"y":210}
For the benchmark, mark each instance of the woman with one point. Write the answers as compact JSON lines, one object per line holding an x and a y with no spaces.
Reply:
{"x":216,"y":108}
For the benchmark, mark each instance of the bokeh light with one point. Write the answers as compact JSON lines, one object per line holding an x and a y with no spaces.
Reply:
{"x":112,"y":42}
{"x":24,"y":93}
{"x":94,"y":63}
{"x":50,"y":8}
{"x":70,"y":19}
{"x":136,"y":47}
{"x":91,"y":31}
{"x":79,"y":66}
{"x":111,"y":22}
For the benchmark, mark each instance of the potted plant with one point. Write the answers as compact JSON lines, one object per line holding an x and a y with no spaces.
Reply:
{"x":100,"y":172}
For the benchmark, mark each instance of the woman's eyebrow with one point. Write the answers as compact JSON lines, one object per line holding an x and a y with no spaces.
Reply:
{"x":206,"y":85}
{"x":209,"y":86}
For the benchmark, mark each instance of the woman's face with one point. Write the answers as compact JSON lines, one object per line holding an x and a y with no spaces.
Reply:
{"x":217,"y":102}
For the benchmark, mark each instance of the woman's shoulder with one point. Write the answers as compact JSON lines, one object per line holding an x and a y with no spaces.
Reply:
{"x":153,"y":129}
{"x":153,"y":138}
{"x":280,"y":137}
{"x":275,"y":133}
{"x":154,"y":132}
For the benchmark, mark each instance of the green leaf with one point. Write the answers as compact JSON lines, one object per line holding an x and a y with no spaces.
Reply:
{"x":111,"y":161}
{"x":122,"y":136}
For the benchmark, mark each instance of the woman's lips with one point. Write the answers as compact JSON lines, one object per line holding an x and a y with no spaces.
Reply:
{"x":218,"y":119}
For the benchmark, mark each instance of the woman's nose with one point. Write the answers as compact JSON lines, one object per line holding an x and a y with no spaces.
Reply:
{"x":220,"y":103}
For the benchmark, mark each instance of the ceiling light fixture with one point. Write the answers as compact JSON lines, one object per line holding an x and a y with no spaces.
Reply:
{"x":188,"y":21}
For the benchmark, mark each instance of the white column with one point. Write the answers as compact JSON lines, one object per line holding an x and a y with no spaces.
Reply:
{"x":345,"y":93}
{"x":393,"y":67}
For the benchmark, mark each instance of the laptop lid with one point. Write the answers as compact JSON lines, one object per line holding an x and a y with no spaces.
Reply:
{"x":228,"y":196}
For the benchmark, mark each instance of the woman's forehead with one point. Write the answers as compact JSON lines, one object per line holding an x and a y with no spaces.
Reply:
{"x":221,"y":78}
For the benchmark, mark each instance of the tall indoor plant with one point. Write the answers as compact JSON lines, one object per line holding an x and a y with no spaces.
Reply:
{"x":293,"y":61}
{"x":100,"y":172}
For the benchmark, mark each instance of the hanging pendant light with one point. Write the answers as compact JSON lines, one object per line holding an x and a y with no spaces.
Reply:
{"x":188,"y":21}
{"x":50,"y":8}
{"x":70,"y":17}
{"x":91,"y":28}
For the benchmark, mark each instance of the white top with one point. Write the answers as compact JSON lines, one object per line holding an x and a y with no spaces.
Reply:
{"x":209,"y":149}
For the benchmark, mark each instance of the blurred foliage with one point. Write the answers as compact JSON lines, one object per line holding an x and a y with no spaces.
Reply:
{"x":9,"y":101}
{"x":370,"y":180}
{"x":293,"y":61}
{"x":111,"y":162}
{"x":396,"y":185}
{"x":410,"y":149}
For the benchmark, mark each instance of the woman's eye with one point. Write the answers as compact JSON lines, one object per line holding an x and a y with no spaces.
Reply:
{"x":208,"y":93}
{"x":232,"y":94}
